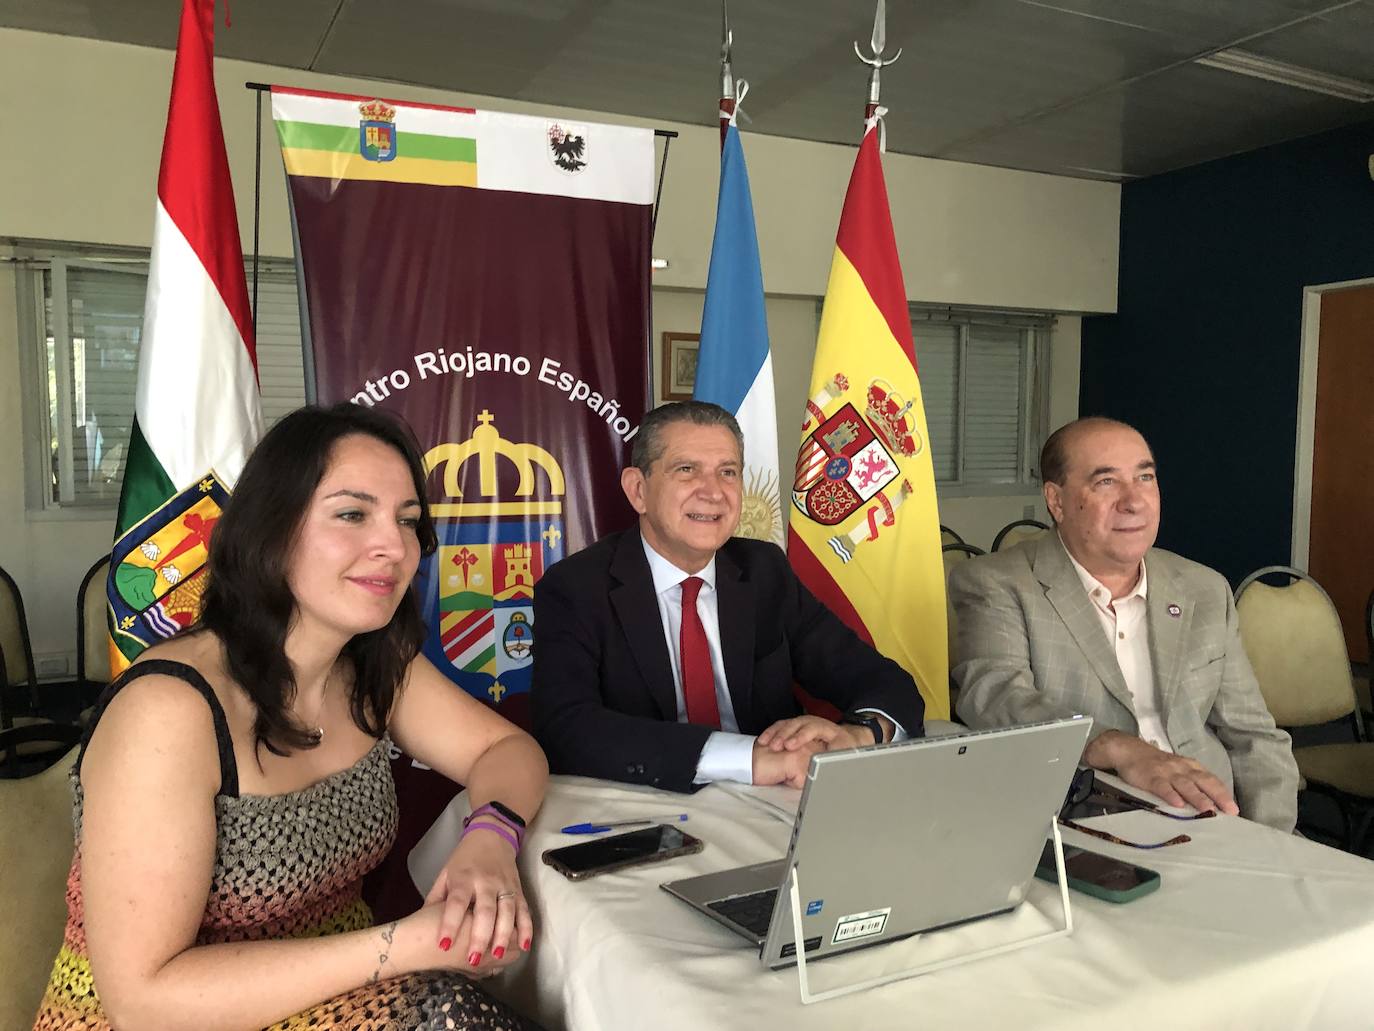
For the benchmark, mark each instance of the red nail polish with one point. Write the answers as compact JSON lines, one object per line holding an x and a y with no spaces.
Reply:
{"x":525,"y":945}
{"x":498,"y":952}
{"x":445,"y":943}
{"x":475,"y":959}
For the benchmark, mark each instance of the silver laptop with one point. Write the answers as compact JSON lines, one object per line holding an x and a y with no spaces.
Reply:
{"x":903,"y":838}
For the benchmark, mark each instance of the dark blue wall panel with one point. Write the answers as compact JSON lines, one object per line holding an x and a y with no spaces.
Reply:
{"x":1203,"y":353}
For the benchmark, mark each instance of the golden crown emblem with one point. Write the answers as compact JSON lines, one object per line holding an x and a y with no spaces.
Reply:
{"x":377,"y":111}
{"x":486,"y":444}
{"x":887,"y":414}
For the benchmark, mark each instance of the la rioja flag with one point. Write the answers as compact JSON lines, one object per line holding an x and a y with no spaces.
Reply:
{"x":197,"y":412}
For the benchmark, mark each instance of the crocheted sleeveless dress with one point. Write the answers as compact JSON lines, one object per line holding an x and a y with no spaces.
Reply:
{"x":286,"y":866}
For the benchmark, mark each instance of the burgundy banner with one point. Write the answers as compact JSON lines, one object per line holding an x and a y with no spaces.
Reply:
{"x":486,"y":277}
{"x":508,"y":329}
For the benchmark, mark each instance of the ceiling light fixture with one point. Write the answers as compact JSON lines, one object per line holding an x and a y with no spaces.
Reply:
{"x":1242,"y":62}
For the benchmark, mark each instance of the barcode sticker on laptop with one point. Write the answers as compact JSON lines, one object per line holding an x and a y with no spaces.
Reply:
{"x":861,"y":925}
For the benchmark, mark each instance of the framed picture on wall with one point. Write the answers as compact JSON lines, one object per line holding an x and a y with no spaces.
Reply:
{"x":679,"y":370}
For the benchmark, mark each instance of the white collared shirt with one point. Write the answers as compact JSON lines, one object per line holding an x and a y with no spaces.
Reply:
{"x":1124,"y":621}
{"x":727,"y":754}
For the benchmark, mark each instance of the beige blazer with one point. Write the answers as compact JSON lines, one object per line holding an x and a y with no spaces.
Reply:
{"x":1031,"y":648}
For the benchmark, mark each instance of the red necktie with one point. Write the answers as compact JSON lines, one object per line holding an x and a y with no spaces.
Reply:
{"x":698,"y":682}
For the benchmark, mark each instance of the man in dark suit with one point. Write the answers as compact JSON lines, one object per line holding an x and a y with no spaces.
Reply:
{"x":666,"y":654}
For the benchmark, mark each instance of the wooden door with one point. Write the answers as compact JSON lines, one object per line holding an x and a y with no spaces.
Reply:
{"x":1341,"y":554}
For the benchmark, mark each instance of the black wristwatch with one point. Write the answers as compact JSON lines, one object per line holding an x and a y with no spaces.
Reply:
{"x":865,"y":719}
{"x":509,"y":813}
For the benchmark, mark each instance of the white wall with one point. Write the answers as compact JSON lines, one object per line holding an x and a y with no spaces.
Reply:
{"x":87,"y":172}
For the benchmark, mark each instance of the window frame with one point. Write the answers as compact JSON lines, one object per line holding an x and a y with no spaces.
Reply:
{"x":1037,"y":332}
{"x":30,"y":259}
{"x":1038,"y":328}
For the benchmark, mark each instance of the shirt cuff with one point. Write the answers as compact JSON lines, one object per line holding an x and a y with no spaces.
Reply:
{"x":898,"y":731}
{"x":726,"y":756}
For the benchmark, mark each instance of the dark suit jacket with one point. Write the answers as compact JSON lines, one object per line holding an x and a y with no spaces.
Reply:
{"x":603,"y":697}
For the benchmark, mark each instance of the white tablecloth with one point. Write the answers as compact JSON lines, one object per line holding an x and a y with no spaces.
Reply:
{"x":1250,"y":929}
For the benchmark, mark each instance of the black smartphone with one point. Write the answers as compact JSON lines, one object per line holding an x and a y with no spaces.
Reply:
{"x":649,"y":845}
{"x":1101,"y":876}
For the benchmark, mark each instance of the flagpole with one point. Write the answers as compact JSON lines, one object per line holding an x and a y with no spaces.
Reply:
{"x":876,"y":62}
{"x":257,"y":207}
{"x":863,"y":524}
{"x":735,"y":363}
{"x":727,"y":76}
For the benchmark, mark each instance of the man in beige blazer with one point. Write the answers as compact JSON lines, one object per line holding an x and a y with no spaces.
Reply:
{"x":1093,"y":619}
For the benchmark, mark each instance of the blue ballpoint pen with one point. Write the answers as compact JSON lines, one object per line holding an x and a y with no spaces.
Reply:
{"x":597,"y":828}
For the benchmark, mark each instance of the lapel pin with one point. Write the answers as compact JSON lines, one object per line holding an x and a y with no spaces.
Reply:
{"x":1175,"y":611}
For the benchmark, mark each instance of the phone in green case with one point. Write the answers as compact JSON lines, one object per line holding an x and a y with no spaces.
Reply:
{"x":1098,"y":875}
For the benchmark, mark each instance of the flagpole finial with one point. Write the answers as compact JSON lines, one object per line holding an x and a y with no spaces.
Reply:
{"x":876,"y":62}
{"x":728,"y":97}
{"x":727,"y":40}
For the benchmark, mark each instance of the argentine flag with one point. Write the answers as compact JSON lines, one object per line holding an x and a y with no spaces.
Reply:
{"x":734,"y":365}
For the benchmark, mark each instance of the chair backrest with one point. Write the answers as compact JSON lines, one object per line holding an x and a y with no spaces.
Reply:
{"x":14,"y":636}
{"x":92,"y":634}
{"x":1369,"y":631}
{"x":1015,"y":533}
{"x":1294,"y":640}
{"x":35,"y":855}
{"x":953,"y":554}
{"x":948,"y":536}
{"x":30,"y":742}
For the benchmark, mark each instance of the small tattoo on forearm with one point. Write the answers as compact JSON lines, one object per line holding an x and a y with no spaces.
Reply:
{"x":388,"y":935}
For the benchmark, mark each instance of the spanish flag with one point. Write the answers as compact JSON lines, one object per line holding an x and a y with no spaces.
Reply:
{"x":864,"y":532}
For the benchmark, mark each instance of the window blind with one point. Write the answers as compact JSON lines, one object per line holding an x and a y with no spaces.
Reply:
{"x":993,"y":411}
{"x":937,"y":362}
{"x":104,"y":324}
{"x":978,"y":372}
{"x":92,"y":328}
{"x":281,"y":373}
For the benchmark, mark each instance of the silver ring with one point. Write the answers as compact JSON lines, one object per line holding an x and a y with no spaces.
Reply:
{"x":504,"y":895}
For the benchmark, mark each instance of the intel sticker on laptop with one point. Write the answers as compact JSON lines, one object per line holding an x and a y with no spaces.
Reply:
{"x":860,"y":925}
{"x":814,"y":906}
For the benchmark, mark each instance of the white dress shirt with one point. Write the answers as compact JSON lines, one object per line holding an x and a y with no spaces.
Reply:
{"x":727,"y":754}
{"x":1124,"y":622}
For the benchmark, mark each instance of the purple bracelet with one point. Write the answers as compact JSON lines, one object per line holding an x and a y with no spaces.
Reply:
{"x":499,"y":828}
{"x":489,"y":810}
{"x":492,"y":820}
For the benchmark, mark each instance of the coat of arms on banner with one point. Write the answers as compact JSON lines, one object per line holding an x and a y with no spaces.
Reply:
{"x":568,"y":146}
{"x":851,"y":461}
{"x":159,"y":566}
{"x":377,"y":131}
{"x":478,"y":588}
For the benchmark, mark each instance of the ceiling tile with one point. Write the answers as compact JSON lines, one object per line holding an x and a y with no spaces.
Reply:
{"x":1076,"y":87}
{"x":1339,"y":43}
{"x":1182,"y":117}
{"x":1205,"y":25}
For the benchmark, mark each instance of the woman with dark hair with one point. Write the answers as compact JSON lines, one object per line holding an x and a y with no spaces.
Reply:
{"x":236,"y":785}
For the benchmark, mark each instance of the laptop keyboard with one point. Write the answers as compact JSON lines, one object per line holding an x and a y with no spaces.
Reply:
{"x":752,"y":912}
